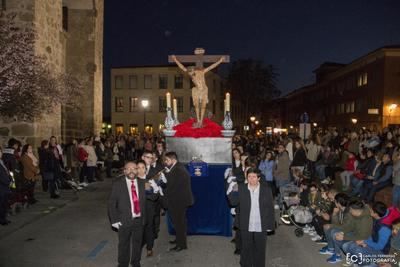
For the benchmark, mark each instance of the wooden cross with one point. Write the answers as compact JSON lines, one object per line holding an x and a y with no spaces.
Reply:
{"x":199,"y":58}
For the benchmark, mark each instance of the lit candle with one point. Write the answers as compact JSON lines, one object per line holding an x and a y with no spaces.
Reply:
{"x":175,"y":109}
{"x":168,"y":100}
{"x":224,"y":106}
{"x":228,"y":102}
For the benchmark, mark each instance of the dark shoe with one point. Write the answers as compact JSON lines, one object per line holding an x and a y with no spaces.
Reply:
{"x":149,"y":253}
{"x":32,"y":201}
{"x":55,"y":196}
{"x":233,"y":240}
{"x":177,"y":248}
{"x":172,"y":241}
{"x":5,"y":223}
{"x":237,"y":252}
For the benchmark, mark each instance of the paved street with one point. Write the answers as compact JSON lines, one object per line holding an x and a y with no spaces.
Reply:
{"x":74,"y":231}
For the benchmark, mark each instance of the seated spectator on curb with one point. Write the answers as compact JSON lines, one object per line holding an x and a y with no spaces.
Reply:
{"x":357,"y":226}
{"x":396,"y":179}
{"x":322,"y":215}
{"x":364,"y":172}
{"x":379,"y":182}
{"x":376,"y":244}
{"x":314,"y":197}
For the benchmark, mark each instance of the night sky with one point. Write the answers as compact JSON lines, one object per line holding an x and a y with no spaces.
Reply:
{"x":295,"y":36}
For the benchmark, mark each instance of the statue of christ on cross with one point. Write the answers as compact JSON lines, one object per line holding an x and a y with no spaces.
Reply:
{"x":197,"y":75}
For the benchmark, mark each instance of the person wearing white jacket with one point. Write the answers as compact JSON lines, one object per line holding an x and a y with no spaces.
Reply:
{"x":91,"y":161}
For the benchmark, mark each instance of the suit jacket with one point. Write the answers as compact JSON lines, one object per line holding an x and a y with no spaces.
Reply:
{"x":179,"y":189}
{"x":119,"y":204}
{"x":242,"y":199}
{"x":5,"y":179}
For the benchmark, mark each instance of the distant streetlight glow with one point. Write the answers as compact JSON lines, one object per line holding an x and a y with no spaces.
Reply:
{"x":252,"y":118}
{"x":354,"y":120}
{"x":145,"y":103}
{"x":256,"y":122}
{"x":315,"y":124}
{"x":392,"y":107}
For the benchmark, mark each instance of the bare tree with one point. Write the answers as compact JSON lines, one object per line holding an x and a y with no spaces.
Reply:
{"x":28,"y":87}
{"x":253,"y":84}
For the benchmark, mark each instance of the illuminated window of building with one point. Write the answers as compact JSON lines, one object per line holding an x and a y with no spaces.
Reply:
{"x":352,"y":107}
{"x":148,"y":128}
{"x":133,"y":129}
{"x":178,"y":84}
{"x":133,"y":104}
{"x":119,"y":104}
{"x":118,"y":81}
{"x":132,"y":81}
{"x":119,"y":128}
{"x":365,"y":78}
{"x":148,"y":81}
{"x":342,"y":108}
{"x":163,"y":81}
{"x":162,"y":103}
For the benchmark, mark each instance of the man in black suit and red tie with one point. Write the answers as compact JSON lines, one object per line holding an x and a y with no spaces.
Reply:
{"x":179,"y":197}
{"x":127,"y":212}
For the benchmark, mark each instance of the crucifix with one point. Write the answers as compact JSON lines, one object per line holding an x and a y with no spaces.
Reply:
{"x":197,"y":75}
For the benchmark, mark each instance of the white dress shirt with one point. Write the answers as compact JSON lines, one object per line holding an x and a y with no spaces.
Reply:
{"x":255,"y":217}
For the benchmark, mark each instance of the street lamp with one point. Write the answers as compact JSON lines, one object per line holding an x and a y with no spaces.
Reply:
{"x":392,"y":107}
{"x":252,"y":118}
{"x":315,"y":124}
{"x":145,"y":104}
{"x":354,"y":120}
{"x":256,"y":122}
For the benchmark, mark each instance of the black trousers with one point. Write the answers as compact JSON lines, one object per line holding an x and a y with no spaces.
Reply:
{"x":148,"y":231}
{"x":178,"y":217}
{"x":253,"y":250}
{"x":3,"y":206}
{"x":130,"y":244}
{"x":157,"y":218}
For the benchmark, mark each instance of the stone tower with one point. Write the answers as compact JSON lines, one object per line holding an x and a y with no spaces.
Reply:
{"x":70,"y":36}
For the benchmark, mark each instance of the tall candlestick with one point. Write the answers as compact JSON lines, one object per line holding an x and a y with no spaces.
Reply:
{"x":175,"y":109}
{"x":168,"y":100}
{"x":228,"y":102}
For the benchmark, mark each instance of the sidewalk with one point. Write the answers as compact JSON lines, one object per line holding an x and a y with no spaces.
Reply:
{"x":43,"y":207}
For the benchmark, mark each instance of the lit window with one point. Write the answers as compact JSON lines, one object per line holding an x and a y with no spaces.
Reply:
{"x":119,"y":128}
{"x":365,"y":78}
{"x":119,"y":104}
{"x":133,"y":104}
{"x":133,"y":129}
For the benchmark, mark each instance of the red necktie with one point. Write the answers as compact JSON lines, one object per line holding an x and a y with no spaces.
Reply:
{"x":135,"y":199}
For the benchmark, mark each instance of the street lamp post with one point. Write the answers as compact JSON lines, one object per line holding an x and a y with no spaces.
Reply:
{"x":145,"y":104}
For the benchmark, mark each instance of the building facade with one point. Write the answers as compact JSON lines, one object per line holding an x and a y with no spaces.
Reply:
{"x":69,"y":35}
{"x":363,"y":93}
{"x":131,"y":85}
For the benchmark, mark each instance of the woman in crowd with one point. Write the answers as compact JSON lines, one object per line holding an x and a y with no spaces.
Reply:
{"x":48,"y":164}
{"x":31,"y":171}
{"x":5,"y":182}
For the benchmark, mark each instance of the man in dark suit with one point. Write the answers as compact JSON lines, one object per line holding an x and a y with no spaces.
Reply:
{"x":127,"y":212}
{"x":256,"y":217}
{"x":179,"y":197}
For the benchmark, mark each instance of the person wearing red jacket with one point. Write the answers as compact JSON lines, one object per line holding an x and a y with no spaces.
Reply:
{"x":350,"y":167}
